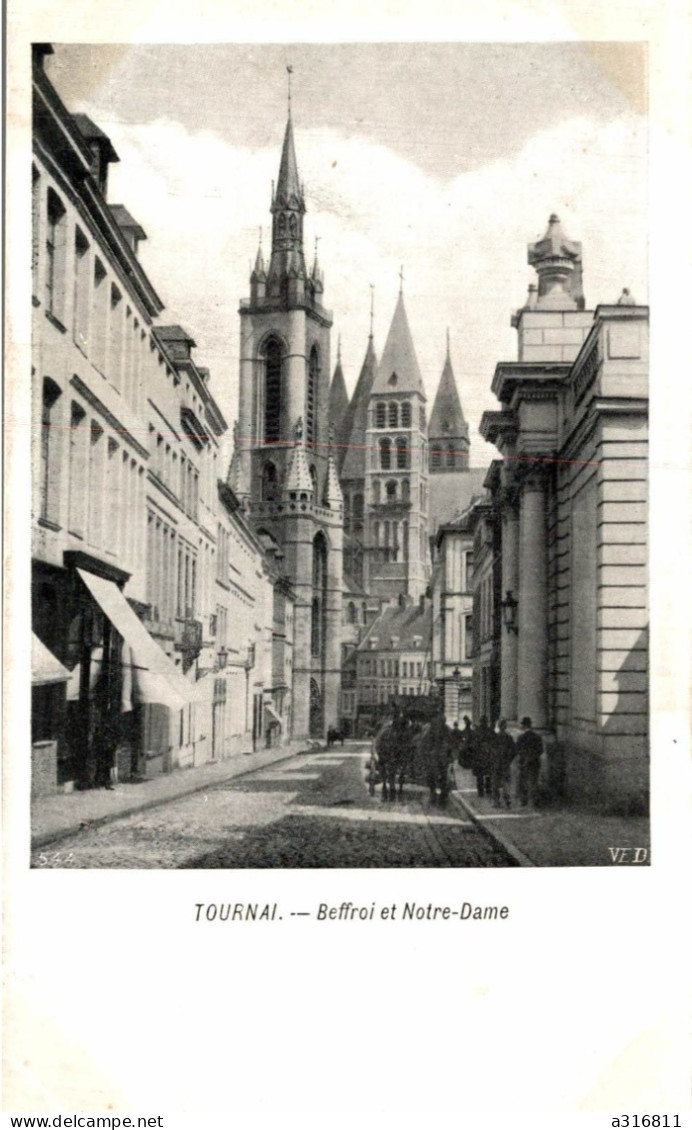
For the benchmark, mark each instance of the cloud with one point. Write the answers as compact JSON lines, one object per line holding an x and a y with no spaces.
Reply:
{"x":462,"y":242}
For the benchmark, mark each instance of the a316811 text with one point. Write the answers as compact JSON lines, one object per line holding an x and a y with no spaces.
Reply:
{"x":646,"y":1120}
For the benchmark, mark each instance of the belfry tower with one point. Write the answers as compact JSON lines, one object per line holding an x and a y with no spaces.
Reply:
{"x":282,"y":468}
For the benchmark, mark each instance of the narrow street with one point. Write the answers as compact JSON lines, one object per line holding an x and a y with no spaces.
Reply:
{"x":312,"y":810}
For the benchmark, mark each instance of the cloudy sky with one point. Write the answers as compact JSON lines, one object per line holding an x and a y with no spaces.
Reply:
{"x":446,"y":158}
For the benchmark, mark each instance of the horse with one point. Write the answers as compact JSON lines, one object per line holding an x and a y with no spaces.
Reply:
{"x":334,"y":735}
{"x":434,"y":757}
{"x":391,"y":756}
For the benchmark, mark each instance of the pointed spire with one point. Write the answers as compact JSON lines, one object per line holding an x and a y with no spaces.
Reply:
{"x":288,"y":187}
{"x":298,"y":478}
{"x":398,"y":370}
{"x":333,"y":495}
{"x":353,"y":441}
{"x":338,"y":351}
{"x":448,"y":433}
{"x":558,"y":264}
{"x":338,"y":405}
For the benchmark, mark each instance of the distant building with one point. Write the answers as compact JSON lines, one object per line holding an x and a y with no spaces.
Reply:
{"x":393,"y":659}
{"x":572,"y":491}
{"x":453,"y":620}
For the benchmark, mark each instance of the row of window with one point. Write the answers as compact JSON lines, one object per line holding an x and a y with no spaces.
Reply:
{"x":178,"y":474}
{"x":396,"y":415}
{"x":401,"y":453}
{"x":371,"y":693}
{"x":446,"y":455}
{"x":389,"y":668}
{"x":171,"y":570}
{"x":76,"y":289}
{"x":105,"y":484}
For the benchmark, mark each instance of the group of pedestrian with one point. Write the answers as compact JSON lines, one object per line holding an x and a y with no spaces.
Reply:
{"x":489,"y":754}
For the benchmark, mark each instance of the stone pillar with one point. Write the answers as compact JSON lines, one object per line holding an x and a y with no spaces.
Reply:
{"x":293,"y":390}
{"x":533,"y":601}
{"x":510,"y":640}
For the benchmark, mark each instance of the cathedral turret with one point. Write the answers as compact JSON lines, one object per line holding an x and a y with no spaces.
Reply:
{"x":338,"y":410}
{"x":258,"y":278}
{"x":448,"y":431}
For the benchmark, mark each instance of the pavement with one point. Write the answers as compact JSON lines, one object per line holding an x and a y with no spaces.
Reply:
{"x":563,"y":835}
{"x":56,"y":817}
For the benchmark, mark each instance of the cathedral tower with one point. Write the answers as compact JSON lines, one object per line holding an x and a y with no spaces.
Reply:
{"x":396,"y":481}
{"x":282,"y":468}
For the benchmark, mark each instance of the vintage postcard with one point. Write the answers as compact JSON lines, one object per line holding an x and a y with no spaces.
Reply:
{"x":336,"y":587}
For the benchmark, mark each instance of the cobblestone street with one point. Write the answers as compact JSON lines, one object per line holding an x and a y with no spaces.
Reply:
{"x":312,"y":810}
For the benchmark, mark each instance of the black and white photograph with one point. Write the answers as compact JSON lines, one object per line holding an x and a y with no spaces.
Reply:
{"x":346,"y":656}
{"x":340,"y":429}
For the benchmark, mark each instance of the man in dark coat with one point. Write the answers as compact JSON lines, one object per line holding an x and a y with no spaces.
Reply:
{"x":529,"y":749}
{"x":503,"y":755}
{"x":482,"y":757}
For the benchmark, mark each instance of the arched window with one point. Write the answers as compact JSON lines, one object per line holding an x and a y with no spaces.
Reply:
{"x":376,"y":488}
{"x":393,"y":414}
{"x":405,"y":490}
{"x":376,"y":533}
{"x":312,"y":390}
{"x":450,"y":455}
{"x":406,"y":415}
{"x":385,"y":454}
{"x":351,"y":612}
{"x":313,"y":476}
{"x":272,"y":391}
{"x":381,"y":415}
{"x":50,"y":461}
{"x":358,"y":507}
{"x":391,"y":491}
{"x":401,"y":453}
{"x":435,"y":458}
{"x":270,"y":485}
{"x":319,"y":595}
{"x":405,"y":540}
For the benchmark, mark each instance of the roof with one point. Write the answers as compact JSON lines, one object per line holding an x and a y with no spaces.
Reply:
{"x":91,"y":132}
{"x":173,"y":333}
{"x":447,"y":418}
{"x":126,"y":220}
{"x":398,"y":370}
{"x":450,"y":493}
{"x":299,"y":478}
{"x":402,"y":624}
{"x":356,"y":422}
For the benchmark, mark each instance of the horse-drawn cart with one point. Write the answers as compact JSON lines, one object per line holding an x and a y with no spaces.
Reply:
{"x":414,"y":746}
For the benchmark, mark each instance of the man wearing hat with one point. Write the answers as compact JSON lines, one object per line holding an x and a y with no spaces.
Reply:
{"x":529,"y":750}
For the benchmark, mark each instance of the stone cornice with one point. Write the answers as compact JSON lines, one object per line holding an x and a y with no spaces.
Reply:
{"x":499,"y":427}
{"x":514,"y":379}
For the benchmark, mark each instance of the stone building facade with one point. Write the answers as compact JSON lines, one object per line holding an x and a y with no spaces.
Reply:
{"x":128,"y":555}
{"x":453,"y":620}
{"x":572,"y":493}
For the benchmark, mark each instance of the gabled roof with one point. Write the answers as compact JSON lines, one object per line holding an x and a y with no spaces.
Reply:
{"x":398,"y":370}
{"x":126,"y":220}
{"x":402,"y":625}
{"x":356,"y":422}
{"x":447,"y":418}
{"x":91,"y":132}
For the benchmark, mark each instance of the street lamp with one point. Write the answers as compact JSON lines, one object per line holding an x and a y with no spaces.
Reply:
{"x":509,"y":608}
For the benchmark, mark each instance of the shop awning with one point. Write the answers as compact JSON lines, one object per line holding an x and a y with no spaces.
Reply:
{"x":154,"y":677}
{"x":271,"y":717}
{"x":45,"y":668}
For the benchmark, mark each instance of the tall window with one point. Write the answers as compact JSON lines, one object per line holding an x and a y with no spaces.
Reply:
{"x":385,"y":454}
{"x":50,"y":460}
{"x":270,"y":486}
{"x":406,"y":415}
{"x":115,"y":344}
{"x":405,"y":490}
{"x":401,"y":453}
{"x":450,"y":456}
{"x":391,"y":491}
{"x":80,"y":326}
{"x":312,"y":391}
{"x":319,"y":595}
{"x":55,"y":255}
{"x":376,"y":489}
{"x":435,"y":459}
{"x":393,"y":414}
{"x":77,"y":469}
{"x":99,"y":316}
{"x":95,"y":483}
{"x":381,"y":415}
{"x":272,"y":391}
{"x":35,"y":221}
